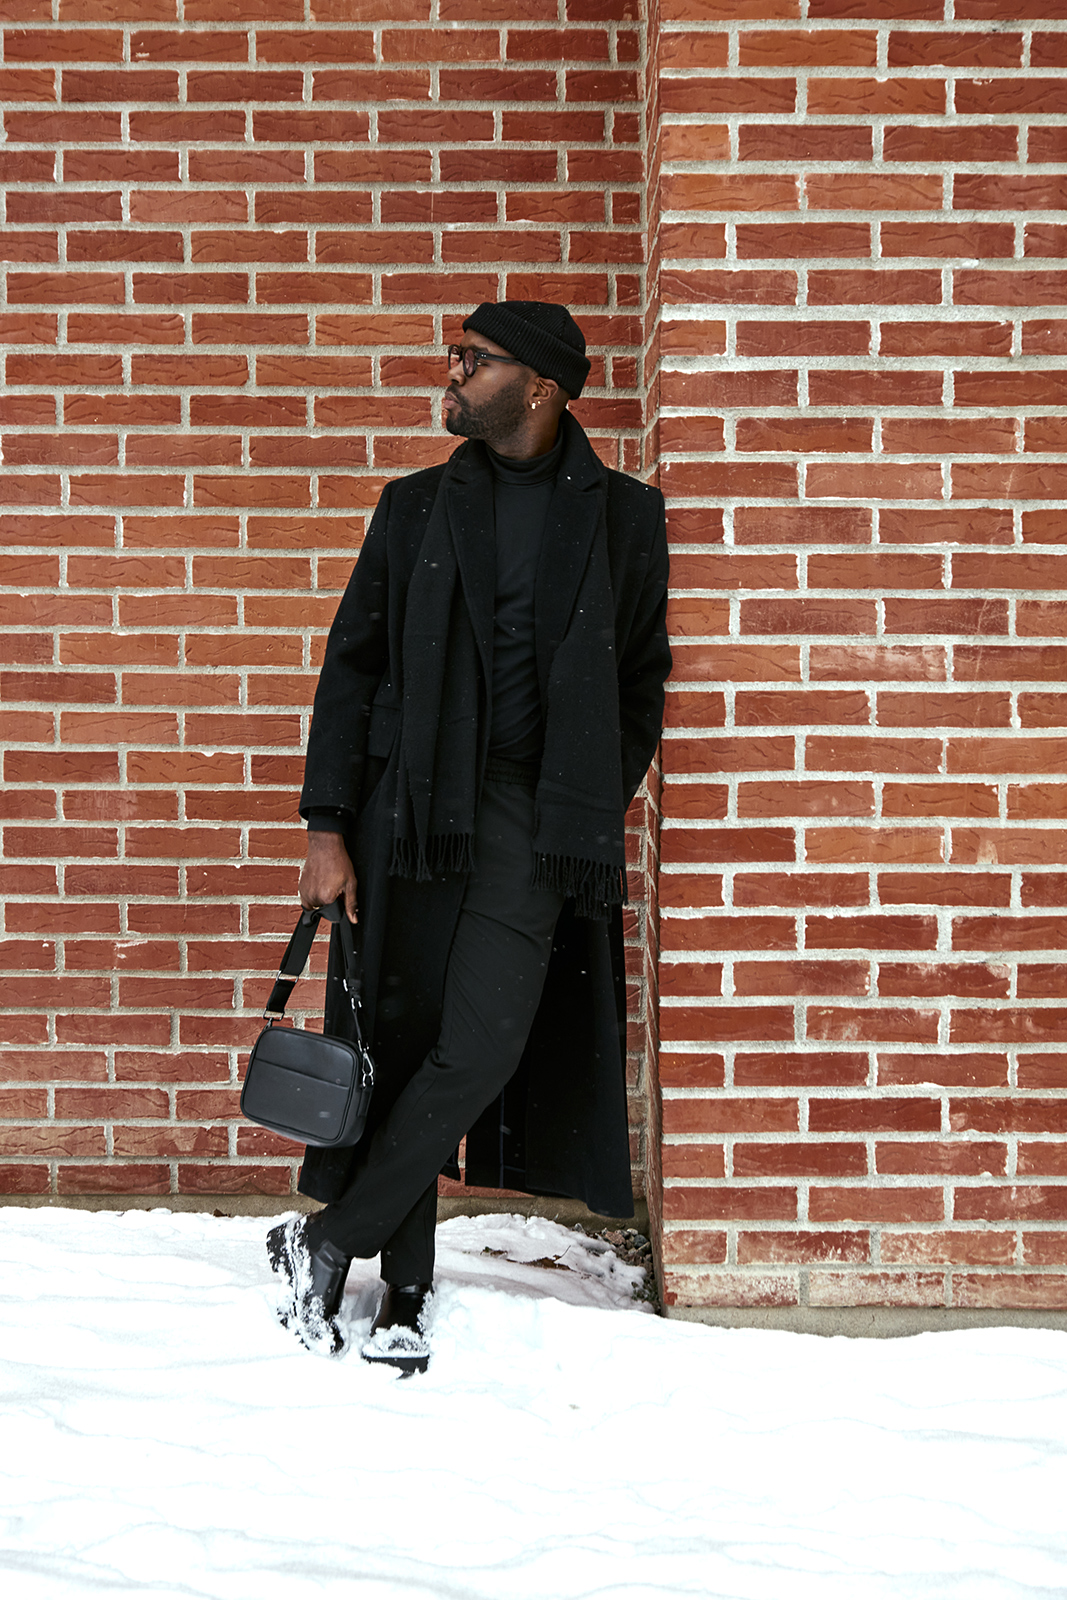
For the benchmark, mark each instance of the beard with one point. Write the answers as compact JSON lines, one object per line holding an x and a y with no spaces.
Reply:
{"x":497,"y":418}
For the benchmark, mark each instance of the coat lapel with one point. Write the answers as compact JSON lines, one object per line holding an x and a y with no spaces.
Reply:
{"x":469,"y":501}
{"x":574,"y":515}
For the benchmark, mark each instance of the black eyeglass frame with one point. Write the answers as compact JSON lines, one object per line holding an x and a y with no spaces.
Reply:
{"x":471,"y":359}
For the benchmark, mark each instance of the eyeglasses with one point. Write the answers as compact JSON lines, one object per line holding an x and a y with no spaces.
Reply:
{"x":470,"y":360}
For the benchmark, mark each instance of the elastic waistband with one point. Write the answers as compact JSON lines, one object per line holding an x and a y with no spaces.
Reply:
{"x":498,"y":769}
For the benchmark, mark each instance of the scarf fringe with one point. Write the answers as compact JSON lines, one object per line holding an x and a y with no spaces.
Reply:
{"x":594,"y":886}
{"x":442,"y":852}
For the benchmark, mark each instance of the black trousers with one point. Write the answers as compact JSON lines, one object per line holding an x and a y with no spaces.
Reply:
{"x":493,"y":983}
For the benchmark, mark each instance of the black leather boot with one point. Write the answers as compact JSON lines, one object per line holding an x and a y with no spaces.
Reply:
{"x":398,"y":1333}
{"x":313,"y":1283}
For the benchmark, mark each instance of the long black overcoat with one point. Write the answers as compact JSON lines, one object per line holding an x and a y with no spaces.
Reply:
{"x":560,"y":1127}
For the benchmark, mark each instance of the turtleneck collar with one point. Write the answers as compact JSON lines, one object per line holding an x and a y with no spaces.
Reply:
{"x":536,"y":469}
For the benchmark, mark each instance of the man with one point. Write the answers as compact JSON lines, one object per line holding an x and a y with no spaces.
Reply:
{"x":490,"y":698}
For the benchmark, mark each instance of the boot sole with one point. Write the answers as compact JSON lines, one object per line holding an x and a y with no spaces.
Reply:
{"x":405,"y":1365}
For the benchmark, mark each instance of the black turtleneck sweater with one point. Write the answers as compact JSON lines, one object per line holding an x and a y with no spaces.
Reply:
{"x":522,"y":491}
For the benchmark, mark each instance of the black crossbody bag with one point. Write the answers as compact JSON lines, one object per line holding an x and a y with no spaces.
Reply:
{"x":311,"y":1087}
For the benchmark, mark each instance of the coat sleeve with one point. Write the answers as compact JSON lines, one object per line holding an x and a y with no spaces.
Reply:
{"x":644,"y":664}
{"x":357,"y":654}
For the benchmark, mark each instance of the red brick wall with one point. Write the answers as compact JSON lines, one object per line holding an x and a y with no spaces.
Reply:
{"x":236,"y":235}
{"x":859,"y":274}
{"x":237,"y":238}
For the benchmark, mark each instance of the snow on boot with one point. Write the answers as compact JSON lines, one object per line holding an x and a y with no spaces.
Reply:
{"x":313,"y":1282}
{"x":398,"y":1333}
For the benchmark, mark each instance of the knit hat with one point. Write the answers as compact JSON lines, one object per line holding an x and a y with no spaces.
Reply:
{"x":545,"y":337}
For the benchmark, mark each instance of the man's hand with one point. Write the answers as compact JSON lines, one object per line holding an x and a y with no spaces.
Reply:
{"x":328,"y":874}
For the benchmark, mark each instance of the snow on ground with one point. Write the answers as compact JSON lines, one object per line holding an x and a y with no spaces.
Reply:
{"x":163,"y":1437}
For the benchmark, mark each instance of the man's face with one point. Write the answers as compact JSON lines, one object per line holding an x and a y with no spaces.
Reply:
{"x":490,"y":405}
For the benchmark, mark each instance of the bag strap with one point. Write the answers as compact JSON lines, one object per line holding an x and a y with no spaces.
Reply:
{"x":298,"y":949}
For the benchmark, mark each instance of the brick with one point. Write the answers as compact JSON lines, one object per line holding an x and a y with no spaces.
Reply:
{"x":802,"y":525}
{"x":808,"y":47}
{"x":695,"y":1245}
{"x":1041,"y":617}
{"x":728,"y":287}
{"x":726,"y":1022}
{"x":692,"y":1161}
{"x":1044,"y":1249}
{"x":810,"y":142}
{"x":1002,"y":96}
{"x":976,"y":143}
{"x":801,"y":977}
{"x":945,"y":339}
{"x":759,"y":707}
{"x":875,"y":931}
{"x":730,"y":96}
{"x":1016,"y":1024}
{"x":63,"y":206}
{"x":603,"y":10}
{"x":188,"y":288}
{"x":185,"y":45}
{"x":108,"y":88}
{"x":883,"y":1115}
{"x":801,"y":1246}
{"x":52,"y":1142}
{"x":1009,"y":288}
{"x":949,"y":1247}
{"x":872,"y":1206}
{"x":72,"y":44}
{"x":880,"y":287}
{"x":732,"y":1288}
{"x":46,"y":126}
{"x":800,"y":338}
{"x":1030,"y":755}
{"x":118,"y":327}
{"x":29,"y":83}
{"x":981,"y":1070}
{"x":290,"y":127}
{"x":691,"y":1071}
{"x":678,"y":845}
{"x":910,"y":1288}
{"x":723,"y":932}
{"x":730,"y":1116}
{"x":875,"y":1024}
{"x":1009,"y":933}
{"x":799,"y":1159}
{"x":1020,"y":662}
{"x":841,"y":96}
{"x":934,"y":48}
{"x":693,"y":1203}
{"x":713,"y":480}
{"x":115,"y":1178}
{"x":778,"y":799}
{"x":729,"y":192}
{"x":1017,"y":1290}
{"x":801,"y":889}
{"x":803,"y":239}
{"x":710,"y":754}
{"x":1012,"y":1203}
{"x":249,"y":245}
{"x":957,"y":709}
{"x":23,"y":1178}
{"x":1008,"y":1116}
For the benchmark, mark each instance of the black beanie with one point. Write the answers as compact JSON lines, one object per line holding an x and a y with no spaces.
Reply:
{"x":545,"y":337}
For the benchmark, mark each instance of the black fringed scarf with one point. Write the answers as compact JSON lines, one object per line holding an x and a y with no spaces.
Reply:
{"x":578,"y":841}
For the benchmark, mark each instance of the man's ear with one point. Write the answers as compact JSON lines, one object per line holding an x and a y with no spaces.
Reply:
{"x":546,"y":390}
